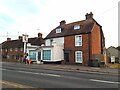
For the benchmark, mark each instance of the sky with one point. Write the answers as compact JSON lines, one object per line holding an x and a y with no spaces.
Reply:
{"x":19,"y":17}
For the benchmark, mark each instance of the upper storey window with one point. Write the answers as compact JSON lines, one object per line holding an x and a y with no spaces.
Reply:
{"x":58,"y":30}
{"x":76,"y":27}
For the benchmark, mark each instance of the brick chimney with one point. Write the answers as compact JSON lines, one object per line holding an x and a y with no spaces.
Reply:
{"x":89,"y":16}
{"x":20,"y":37}
{"x":40,"y":35}
{"x":63,"y":22}
{"x":8,"y":39}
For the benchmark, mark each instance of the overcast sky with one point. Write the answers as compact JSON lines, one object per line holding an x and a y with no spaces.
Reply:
{"x":33,"y":16}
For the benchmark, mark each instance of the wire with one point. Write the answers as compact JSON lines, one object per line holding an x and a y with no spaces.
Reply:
{"x":106,"y":11}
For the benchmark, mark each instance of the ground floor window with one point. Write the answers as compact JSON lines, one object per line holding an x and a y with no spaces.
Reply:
{"x":78,"y":55}
{"x":32,"y":55}
{"x":46,"y":54}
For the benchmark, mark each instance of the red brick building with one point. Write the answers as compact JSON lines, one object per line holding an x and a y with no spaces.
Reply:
{"x":13,"y":49}
{"x":83,"y":40}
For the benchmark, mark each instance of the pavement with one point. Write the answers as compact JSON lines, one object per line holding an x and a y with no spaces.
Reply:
{"x":77,"y":68}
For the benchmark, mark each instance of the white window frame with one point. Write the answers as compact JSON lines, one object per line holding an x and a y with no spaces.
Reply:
{"x":58,"y":30}
{"x":78,"y":42}
{"x":76,"y":27}
{"x":76,"y":57}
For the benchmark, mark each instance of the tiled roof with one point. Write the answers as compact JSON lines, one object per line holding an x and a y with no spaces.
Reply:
{"x":68,"y":29}
{"x":12,"y":44}
{"x":18,"y":43}
{"x":36,"y":41}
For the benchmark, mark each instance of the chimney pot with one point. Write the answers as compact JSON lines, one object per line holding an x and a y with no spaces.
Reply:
{"x":89,"y":16}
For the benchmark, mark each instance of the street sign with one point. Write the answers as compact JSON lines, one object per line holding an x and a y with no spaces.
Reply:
{"x":25,"y":38}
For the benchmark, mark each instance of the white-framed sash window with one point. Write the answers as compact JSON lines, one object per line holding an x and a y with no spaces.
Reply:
{"x":78,"y":57}
{"x":78,"y":40}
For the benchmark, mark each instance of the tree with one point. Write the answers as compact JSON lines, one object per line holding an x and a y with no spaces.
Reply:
{"x":118,"y":48}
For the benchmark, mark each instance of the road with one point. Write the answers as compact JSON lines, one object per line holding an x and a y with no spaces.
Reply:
{"x":44,"y":78}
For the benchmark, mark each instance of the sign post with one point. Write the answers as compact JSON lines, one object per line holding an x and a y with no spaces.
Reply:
{"x":25,"y":40}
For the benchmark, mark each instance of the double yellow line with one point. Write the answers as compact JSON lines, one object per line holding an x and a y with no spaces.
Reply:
{"x":14,"y":85}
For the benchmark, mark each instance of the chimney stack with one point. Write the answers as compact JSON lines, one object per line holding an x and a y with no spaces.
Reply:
{"x":20,"y":37}
{"x":89,"y":16}
{"x":8,"y":39}
{"x":63,"y":22}
{"x":40,"y":35}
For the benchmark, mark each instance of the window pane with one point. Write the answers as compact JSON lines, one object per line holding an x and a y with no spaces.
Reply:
{"x":58,"y":30}
{"x":47,"y":54}
{"x":77,"y":27}
{"x":79,"y":56}
{"x":32,"y":55}
{"x":78,"y":40}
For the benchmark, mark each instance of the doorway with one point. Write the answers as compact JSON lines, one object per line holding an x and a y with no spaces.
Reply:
{"x":39,"y":56}
{"x":66,"y":57}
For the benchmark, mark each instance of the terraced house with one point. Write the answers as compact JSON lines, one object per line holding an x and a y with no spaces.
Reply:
{"x":76,"y":42}
{"x":13,"y":49}
{"x":73,"y":43}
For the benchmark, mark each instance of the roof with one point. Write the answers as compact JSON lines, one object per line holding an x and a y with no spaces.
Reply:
{"x":18,"y":43}
{"x":36,"y":41}
{"x":12,"y":44}
{"x":68,"y":29}
{"x":113,"y":51}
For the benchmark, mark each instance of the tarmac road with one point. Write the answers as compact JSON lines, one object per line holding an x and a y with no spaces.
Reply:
{"x":45,"y":78}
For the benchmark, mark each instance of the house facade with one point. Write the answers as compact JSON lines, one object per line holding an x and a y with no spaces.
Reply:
{"x":113,"y":54}
{"x":76,"y":42}
{"x":52,"y":51}
{"x":14,"y":49}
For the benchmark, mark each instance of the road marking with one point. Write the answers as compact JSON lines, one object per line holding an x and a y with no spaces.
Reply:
{"x":46,"y":74}
{"x":16,"y":85}
{"x":2,"y":69}
{"x":104,"y":81}
{"x":54,"y":75}
{"x":26,"y":72}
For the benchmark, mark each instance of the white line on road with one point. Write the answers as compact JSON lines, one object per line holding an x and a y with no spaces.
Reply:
{"x":2,"y":69}
{"x":45,"y":74}
{"x":54,"y":75}
{"x":26,"y":72}
{"x":104,"y":81}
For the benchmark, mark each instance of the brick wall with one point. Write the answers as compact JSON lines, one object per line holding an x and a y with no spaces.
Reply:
{"x":97,"y":44}
{"x":70,"y":44}
{"x":96,"y":40}
{"x":11,"y":55}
